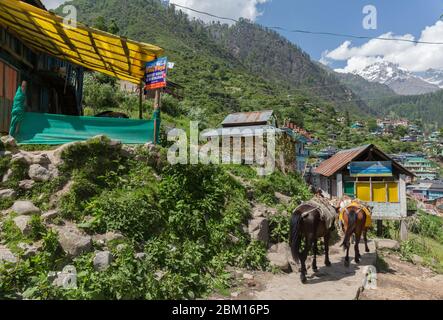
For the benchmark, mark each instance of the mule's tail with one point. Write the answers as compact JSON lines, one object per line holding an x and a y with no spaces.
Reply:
{"x":294,"y":234}
{"x":352,"y":220}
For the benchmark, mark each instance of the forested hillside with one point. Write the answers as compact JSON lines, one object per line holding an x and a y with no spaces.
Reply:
{"x":265,"y":72}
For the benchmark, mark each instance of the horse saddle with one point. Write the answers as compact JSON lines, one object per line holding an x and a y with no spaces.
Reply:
{"x":361,"y":207}
{"x":327,"y":212}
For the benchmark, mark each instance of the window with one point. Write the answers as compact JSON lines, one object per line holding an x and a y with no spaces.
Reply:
{"x":374,"y":191}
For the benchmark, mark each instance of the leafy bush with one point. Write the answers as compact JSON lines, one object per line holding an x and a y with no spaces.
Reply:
{"x":428,"y":226}
{"x":279,"y":228}
{"x":254,"y":257}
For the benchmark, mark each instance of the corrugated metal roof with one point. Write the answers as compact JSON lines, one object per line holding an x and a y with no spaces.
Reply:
{"x":250,"y":118}
{"x":328,"y":167}
{"x":245,"y":131}
{"x":331,"y":166}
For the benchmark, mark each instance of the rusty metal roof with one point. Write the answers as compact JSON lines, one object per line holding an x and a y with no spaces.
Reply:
{"x":337,"y":162}
{"x":248,"y":118}
{"x":331,"y":166}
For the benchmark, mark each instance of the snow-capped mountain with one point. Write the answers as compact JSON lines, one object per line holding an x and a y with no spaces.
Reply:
{"x":400,"y":80}
{"x":433,"y":76}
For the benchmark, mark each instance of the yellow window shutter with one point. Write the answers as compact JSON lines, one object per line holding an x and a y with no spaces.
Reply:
{"x":379,"y":192}
{"x":393,"y":192}
{"x":364,"y":191}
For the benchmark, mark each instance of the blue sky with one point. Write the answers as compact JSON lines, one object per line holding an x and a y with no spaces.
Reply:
{"x":345,"y":16}
{"x":409,"y":19}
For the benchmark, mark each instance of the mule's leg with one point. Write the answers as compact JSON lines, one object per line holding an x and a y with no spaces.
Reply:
{"x":314,"y":261}
{"x":327,"y":238}
{"x":356,"y":247}
{"x":303,"y":257}
{"x":365,"y":235}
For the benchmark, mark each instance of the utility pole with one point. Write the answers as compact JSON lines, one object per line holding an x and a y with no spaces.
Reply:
{"x":140,"y":98}
{"x":156,"y":115}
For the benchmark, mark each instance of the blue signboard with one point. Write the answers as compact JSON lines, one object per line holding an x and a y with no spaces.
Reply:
{"x":371,"y":169}
{"x":155,"y":76}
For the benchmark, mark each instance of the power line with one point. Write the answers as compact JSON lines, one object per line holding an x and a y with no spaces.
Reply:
{"x":343,"y":35}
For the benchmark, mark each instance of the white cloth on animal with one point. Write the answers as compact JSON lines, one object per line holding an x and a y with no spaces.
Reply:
{"x":327,"y":212}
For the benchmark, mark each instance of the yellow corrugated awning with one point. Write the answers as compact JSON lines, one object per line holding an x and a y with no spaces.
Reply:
{"x":94,"y":49}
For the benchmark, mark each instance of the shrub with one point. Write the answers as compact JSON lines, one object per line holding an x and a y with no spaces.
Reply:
{"x":279,"y":228}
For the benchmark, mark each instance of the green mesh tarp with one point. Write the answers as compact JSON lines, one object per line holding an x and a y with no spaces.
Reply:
{"x":42,"y":128}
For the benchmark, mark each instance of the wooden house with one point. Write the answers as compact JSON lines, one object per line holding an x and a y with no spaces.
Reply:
{"x":54,"y":85}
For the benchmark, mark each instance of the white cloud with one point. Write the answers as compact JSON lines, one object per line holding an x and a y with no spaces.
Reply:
{"x":233,"y":9}
{"x":52,"y":4}
{"x":411,"y":56}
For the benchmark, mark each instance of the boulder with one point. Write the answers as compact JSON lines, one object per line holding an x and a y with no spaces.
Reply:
{"x":258,"y":229}
{"x":9,"y":143}
{"x":6,"y":255}
{"x":107,"y":237}
{"x":39,"y":173}
{"x":102,"y":260}
{"x":279,"y":256}
{"x":30,"y":250}
{"x":283,"y":198}
{"x":24,"y":224}
{"x":7,"y":176}
{"x":66,"y":279}
{"x":25,"y":208}
{"x":73,"y":241}
{"x":262,"y":211}
{"x":387,"y":244}
{"x":50,"y":215}
{"x":7,"y":194}
{"x":26,"y":184}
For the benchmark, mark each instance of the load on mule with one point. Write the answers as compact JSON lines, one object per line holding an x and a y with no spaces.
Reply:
{"x":311,"y":220}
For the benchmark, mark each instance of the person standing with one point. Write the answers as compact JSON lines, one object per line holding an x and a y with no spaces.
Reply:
{"x":18,"y":109}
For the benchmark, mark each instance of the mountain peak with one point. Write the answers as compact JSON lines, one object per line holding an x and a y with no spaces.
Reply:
{"x":400,"y":80}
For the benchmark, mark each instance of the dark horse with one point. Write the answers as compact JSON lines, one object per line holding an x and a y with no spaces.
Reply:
{"x":354,"y":221}
{"x":306,"y":223}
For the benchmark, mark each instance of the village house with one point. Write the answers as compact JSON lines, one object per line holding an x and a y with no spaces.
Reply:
{"x":247,"y":128}
{"x":427,"y":191}
{"x":368,"y":174}
{"x":421,"y":167}
{"x":55,"y":85}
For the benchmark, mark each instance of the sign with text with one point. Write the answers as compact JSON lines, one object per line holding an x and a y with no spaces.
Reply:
{"x":371,"y":169}
{"x":155,"y":75}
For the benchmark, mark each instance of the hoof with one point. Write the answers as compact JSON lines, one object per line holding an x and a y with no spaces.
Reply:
{"x":303,"y":279}
{"x":328,"y":263}
{"x":357,"y":260}
{"x":314,"y":269}
{"x":347,"y":264}
{"x":367,"y":250}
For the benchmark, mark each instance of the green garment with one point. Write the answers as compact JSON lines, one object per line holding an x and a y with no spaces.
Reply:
{"x":18,"y":111}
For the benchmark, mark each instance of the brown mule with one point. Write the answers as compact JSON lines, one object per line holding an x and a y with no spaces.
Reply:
{"x":354,"y":223}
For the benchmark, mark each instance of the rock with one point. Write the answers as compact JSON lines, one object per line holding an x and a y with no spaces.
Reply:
{"x":283,"y":198}
{"x":6,"y":255}
{"x":159,"y":275}
{"x":41,"y":159}
{"x":279,"y":256}
{"x":50,"y":215}
{"x":25,"y":208}
{"x":24,"y":224}
{"x":417,"y":259}
{"x":20,"y":158}
{"x":387,"y":244}
{"x":5,"y":153}
{"x":248,"y":276}
{"x":140,"y":255}
{"x":258,"y":229}
{"x":7,"y":194}
{"x":73,"y":241}
{"x":262,"y":211}
{"x":102,"y":260}
{"x":26,"y":184}
{"x":235,"y":294}
{"x":121,"y":247}
{"x":7,"y":176}
{"x":9,"y":143}
{"x":66,"y":279}
{"x":57,"y":155}
{"x":107,"y":237}
{"x":39,"y":173}
{"x":30,"y":250}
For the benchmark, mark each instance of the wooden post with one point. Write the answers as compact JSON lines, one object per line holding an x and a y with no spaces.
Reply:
{"x":140,"y":106}
{"x":379,"y":228}
{"x":157,"y":107}
{"x":339,"y":186}
{"x":404,"y":208}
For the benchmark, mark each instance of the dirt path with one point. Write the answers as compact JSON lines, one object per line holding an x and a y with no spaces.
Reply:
{"x":329,"y":283}
{"x":405,"y":281}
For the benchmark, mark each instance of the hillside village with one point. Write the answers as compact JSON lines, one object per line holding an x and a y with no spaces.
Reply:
{"x":87,"y":187}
